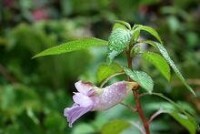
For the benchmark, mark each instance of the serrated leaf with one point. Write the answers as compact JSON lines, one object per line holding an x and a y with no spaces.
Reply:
{"x":165,"y":54}
{"x":150,"y":30}
{"x":72,"y":46}
{"x":142,"y":78}
{"x":115,"y":127}
{"x":118,"y":41}
{"x":159,"y":62}
{"x":104,"y":71}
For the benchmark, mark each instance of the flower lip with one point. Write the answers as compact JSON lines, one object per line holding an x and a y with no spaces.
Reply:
{"x":75,"y":112}
{"x":82,"y":100}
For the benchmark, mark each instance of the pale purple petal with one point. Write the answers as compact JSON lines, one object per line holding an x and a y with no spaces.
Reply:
{"x":82,"y":100}
{"x":75,"y":112}
{"x":84,"y":88}
{"x":111,"y":96}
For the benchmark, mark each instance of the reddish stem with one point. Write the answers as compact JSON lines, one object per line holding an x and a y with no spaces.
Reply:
{"x":140,"y":111}
{"x":137,"y":96}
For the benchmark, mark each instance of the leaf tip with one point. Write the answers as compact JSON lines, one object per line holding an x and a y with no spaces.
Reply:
{"x":193,"y":92}
{"x":190,"y":89}
{"x":35,"y":56}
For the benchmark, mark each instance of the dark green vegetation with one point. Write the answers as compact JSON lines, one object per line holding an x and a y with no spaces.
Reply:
{"x":34,"y":92}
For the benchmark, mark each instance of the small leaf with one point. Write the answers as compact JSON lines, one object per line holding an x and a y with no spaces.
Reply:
{"x":135,"y":34}
{"x":150,"y":30}
{"x":137,"y":49}
{"x":104,"y":71}
{"x":118,"y":41}
{"x":142,"y":78}
{"x":72,"y":46}
{"x":165,"y":54}
{"x":115,"y":127}
{"x":124,"y":23}
{"x":159,"y":62}
{"x":118,"y":25}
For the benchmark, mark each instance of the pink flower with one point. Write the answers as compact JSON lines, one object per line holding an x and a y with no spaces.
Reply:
{"x":91,"y":98}
{"x":40,"y":14}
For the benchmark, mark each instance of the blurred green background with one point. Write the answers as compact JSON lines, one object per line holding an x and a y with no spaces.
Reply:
{"x":34,"y":92}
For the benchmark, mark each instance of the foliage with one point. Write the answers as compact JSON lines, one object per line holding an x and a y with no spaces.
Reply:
{"x":105,"y":71}
{"x":115,"y":126}
{"x":159,"y":62}
{"x":118,"y":41}
{"x":72,"y":46}
{"x":33,"y":92}
{"x":143,"y":79}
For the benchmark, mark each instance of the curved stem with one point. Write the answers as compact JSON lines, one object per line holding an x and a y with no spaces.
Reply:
{"x":106,"y":80}
{"x":136,"y":95}
{"x":161,"y":96}
{"x":133,"y":109}
{"x":137,"y":125}
{"x":160,"y":111}
{"x":165,"y":98}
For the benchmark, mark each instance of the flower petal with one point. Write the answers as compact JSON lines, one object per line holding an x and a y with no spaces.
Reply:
{"x":91,"y":98}
{"x":84,"y":88}
{"x":111,"y":95}
{"x":75,"y":112}
{"x":82,"y":100}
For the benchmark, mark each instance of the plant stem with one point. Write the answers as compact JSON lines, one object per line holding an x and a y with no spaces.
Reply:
{"x":140,"y":111}
{"x":136,"y":95}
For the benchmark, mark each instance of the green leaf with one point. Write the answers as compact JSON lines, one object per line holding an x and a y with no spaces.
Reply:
{"x":118,"y":25}
{"x":72,"y":46}
{"x":104,"y":71}
{"x":159,"y":62}
{"x":142,"y":78}
{"x":124,"y":23}
{"x":83,"y":128}
{"x":178,"y":113}
{"x":185,"y":120}
{"x":118,"y":41}
{"x":115,"y":127}
{"x":150,"y":30}
{"x":165,"y":54}
{"x":135,"y":34}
